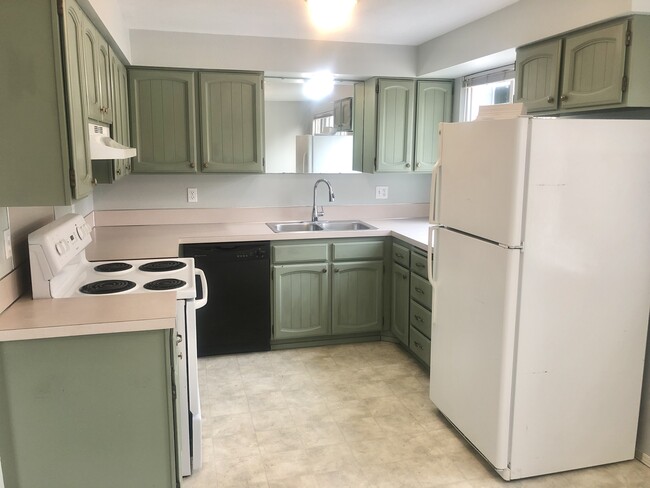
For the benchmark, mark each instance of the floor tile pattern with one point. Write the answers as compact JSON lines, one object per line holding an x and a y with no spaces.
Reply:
{"x":342,"y":416}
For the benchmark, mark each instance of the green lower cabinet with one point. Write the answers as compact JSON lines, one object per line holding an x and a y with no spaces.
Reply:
{"x":356,"y":297}
{"x":300,"y":300}
{"x":95,"y":410}
{"x":399,"y":315}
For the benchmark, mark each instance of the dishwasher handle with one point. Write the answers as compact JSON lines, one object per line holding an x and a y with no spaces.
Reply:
{"x":202,"y":300}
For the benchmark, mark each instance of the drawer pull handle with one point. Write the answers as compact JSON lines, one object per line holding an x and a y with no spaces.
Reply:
{"x":418,"y":345}
{"x":419,"y":290}
{"x":419,"y":265}
{"x":404,"y":276}
{"x":180,"y":355}
{"x":418,"y":318}
{"x":398,"y":255}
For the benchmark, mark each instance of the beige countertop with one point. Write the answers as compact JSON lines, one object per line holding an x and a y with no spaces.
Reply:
{"x":60,"y":317}
{"x":38,"y":319}
{"x":162,"y":241}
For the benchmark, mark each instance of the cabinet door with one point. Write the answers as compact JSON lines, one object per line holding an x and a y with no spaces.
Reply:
{"x":399,"y":310}
{"x":231,"y":122}
{"x":395,"y":116}
{"x":538,"y":75}
{"x":593,"y":68}
{"x":120,"y":103}
{"x":433,"y":106}
{"x":300,"y":300}
{"x":356,"y":297}
{"x":81,"y":174}
{"x":90,"y":43}
{"x":163,"y":120}
{"x":104,"y":76}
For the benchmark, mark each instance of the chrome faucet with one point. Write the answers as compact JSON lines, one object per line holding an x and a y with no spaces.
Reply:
{"x":316,"y":212}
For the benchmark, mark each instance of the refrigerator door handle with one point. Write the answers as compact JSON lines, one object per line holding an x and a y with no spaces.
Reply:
{"x":430,"y":274}
{"x":433,"y":206}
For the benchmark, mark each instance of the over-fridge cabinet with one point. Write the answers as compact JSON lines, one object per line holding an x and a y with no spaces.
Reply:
{"x":186,"y":121}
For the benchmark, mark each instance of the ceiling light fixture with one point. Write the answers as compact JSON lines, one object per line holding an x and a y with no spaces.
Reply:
{"x":330,"y":15}
{"x":319,"y":85}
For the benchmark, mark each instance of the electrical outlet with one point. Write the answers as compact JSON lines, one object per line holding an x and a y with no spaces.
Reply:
{"x":192,"y":195}
{"x":381,"y":192}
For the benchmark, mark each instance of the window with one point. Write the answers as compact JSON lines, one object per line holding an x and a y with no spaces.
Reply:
{"x":487,"y":88}
{"x":322,"y":124}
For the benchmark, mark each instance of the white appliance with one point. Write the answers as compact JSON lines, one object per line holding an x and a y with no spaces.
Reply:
{"x":59,"y":269}
{"x":324,"y":154}
{"x":103,"y":147}
{"x":541,"y":283}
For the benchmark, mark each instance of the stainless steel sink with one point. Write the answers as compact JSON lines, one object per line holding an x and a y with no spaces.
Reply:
{"x":334,"y":225}
{"x":325,"y":225}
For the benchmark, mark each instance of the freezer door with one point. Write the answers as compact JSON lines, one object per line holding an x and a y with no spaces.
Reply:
{"x":481,"y":177}
{"x":472,"y":339}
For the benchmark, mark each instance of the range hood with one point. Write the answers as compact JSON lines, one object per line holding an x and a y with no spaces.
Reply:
{"x":103,"y":147}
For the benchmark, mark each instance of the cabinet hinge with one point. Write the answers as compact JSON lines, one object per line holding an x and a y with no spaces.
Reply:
{"x":263,"y":162}
{"x":377,"y":87}
{"x":174,"y":391}
{"x":272,"y":274}
{"x":628,"y":37}
{"x":73,"y":178}
{"x":375,"y":163}
{"x":624,"y":83}
{"x":59,"y":7}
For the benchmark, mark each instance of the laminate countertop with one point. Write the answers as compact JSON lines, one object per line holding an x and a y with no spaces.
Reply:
{"x":163,"y":241}
{"x":47,"y":318}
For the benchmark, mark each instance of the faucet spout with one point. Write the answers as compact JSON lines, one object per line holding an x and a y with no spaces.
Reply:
{"x":315,"y":213}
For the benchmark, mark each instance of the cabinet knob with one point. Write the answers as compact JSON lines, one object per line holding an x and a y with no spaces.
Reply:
{"x":417,"y":165}
{"x":192,"y":165}
{"x":336,"y":270}
{"x":408,"y":165}
{"x":179,"y":338}
{"x":119,"y":172}
{"x":94,"y":182}
{"x":324,"y":270}
{"x":205,"y":165}
{"x":564,"y":98}
{"x":404,"y":276}
{"x":180,"y":355}
{"x":418,"y":318}
{"x":550,"y":99}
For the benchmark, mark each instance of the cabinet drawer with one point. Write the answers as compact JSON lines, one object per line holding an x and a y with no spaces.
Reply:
{"x":421,"y":290}
{"x":400,"y":255}
{"x":358,"y":250}
{"x":300,"y":253}
{"x":420,"y":318}
{"x":419,"y":264}
{"x":420,"y":345}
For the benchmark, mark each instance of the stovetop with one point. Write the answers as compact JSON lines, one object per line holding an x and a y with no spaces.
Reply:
{"x":137,"y":276}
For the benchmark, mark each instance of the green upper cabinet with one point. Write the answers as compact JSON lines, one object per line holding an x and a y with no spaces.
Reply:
{"x":231,"y":122}
{"x":602,"y":67}
{"x":96,"y":62}
{"x":356,"y":297}
{"x":163,"y":120}
{"x":400,"y":124}
{"x":81,"y":173}
{"x":538,"y":68}
{"x":433,"y":106}
{"x":593,"y":67}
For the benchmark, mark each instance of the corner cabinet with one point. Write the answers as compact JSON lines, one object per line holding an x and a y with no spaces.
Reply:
{"x":231,"y":122}
{"x":401,"y":118}
{"x":163,"y":120}
{"x":602,"y":67}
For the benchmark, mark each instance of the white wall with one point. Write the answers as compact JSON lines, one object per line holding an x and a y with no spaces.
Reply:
{"x":273,"y":56}
{"x":107,"y":16}
{"x":268,"y":190}
{"x":490,"y":41}
{"x":282,"y":122}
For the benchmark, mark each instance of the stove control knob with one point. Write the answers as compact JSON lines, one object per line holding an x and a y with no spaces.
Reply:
{"x":61,"y":247}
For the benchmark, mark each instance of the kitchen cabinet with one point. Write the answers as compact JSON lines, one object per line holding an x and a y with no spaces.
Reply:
{"x":96,"y":73}
{"x":343,"y":114}
{"x":601,"y":67}
{"x":401,"y":120}
{"x":420,"y":308}
{"x":114,"y":170}
{"x":163,"y":120}
{"x":327,"y":288}
{"x":231,"y":122}
{"x":400,"y":289}
{"x":93,"y":410}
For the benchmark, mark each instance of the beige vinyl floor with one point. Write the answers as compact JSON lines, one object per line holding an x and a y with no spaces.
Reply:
{"x":343,"y":416}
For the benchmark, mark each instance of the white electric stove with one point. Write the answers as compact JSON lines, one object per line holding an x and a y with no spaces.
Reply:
{"x":59,"y":269}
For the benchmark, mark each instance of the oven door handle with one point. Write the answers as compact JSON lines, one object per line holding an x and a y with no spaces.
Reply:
{"x":200,"y":302}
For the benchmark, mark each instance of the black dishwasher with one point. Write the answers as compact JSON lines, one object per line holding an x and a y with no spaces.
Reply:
{"x":237,"y":317}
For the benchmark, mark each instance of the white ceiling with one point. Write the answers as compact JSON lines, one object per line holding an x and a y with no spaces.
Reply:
{"x":401,"y":22}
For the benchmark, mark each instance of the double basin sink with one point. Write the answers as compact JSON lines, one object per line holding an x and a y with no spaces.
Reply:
{"x":325,"y":225}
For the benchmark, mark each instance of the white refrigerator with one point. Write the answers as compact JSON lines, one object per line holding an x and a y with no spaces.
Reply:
{"x":541,"y":282}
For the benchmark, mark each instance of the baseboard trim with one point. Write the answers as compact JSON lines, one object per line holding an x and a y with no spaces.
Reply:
{"x":643,"y":457}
